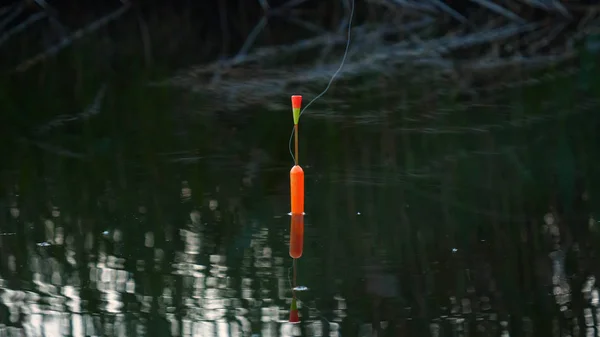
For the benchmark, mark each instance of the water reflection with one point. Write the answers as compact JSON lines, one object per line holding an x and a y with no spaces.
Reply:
{"x":66,"y":275}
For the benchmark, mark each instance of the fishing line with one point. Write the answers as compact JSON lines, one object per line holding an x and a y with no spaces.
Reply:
{"x":334,"y":74}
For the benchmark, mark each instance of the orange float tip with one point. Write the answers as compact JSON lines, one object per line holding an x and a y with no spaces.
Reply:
{"x":296,"y":104}
{"x":296,"y":101}
{"x":294,"y":316}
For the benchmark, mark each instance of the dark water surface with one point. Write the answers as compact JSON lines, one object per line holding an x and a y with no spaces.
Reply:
{"x":425,"y":217}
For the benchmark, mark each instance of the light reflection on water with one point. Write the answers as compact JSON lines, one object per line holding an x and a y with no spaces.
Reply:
{"x":207,"y":302}
{"x":67,"y":275}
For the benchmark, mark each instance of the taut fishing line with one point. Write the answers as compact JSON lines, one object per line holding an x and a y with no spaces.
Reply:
{"x":352,"y":2}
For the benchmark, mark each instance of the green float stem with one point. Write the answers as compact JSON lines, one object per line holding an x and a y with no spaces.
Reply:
{"x":296,"y":112}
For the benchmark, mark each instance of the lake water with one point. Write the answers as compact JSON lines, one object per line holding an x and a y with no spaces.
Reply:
{"x":424,"y":216}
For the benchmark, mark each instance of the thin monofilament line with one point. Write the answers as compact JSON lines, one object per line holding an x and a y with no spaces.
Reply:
{"x":341,"y":64}
{"x":332,"y":77}
{"x":290,"y":144}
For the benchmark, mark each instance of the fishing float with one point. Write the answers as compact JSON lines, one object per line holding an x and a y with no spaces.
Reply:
{"x":297,"y":182}
{"x":296,"y":189}
{"x":297,"y":205}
